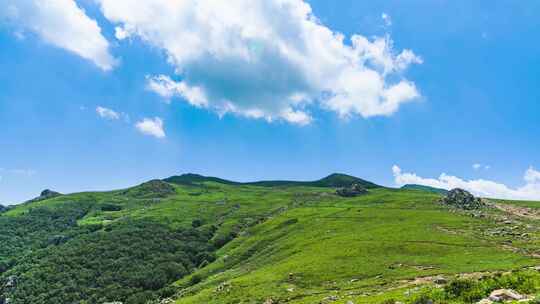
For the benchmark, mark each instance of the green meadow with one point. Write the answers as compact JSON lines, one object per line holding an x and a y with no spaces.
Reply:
{"x":209,"y":241}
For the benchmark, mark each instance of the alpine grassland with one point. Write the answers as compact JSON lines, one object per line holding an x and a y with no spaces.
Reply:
{"x":191,"y":239}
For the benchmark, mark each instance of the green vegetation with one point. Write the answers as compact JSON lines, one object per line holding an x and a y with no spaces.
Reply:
{"x":424,"y":188}
{"x":200,"y":240}
{"x":471,"y":291}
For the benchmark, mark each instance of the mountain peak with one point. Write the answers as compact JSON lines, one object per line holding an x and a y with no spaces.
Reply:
{"x":192,"y":178}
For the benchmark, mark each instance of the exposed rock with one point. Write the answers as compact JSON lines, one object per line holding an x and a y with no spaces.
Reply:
{"x":462,"y":199}
{"x":45,"y":194}
{"x":502,"y":295}
{"x":11,"y":282}
{"x":223,"y":287}
{"x":331,"y":298}
{"x":351,"y":191}
{"x":49,"y":193}
{"x":440,"y":280}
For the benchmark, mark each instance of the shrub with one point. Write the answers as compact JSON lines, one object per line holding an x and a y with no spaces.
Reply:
{"x":195,"y":279}
{"x":110,"y":207}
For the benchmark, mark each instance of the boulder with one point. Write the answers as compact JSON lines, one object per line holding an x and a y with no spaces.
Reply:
{"x":351,"y":191}
{"x":440,"y":280}
{"x":462,"y":199}
{"x":503,"y":295}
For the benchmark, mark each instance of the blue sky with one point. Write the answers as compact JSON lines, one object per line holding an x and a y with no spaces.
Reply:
{"x":78,"y":112}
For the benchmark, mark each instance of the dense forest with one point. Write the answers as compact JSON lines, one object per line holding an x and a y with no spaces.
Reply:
{"x":47,"y":257}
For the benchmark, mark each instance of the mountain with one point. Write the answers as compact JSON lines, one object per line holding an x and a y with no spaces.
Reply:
{"x":191,"y":179}
{"x":333,"y":180}
{"x":194,"y":239}
{"x":425,"y":188}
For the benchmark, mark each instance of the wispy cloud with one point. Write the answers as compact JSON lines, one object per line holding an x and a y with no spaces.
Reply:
{"x":152,"y":127}
{"x":386,"y":19}
{"x":478,"y":166}
{"x":481,"y":187}
{"x":107,"y":113}
{"x":110,"y":114}
{"x":20,"y":172}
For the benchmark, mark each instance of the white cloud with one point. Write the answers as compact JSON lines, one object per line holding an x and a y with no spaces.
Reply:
{"x":267,"y":59}
{"x":480,"y":187}
{"x":479,"y":166}
{"x":167,"y":88}
{"x":532,"y":176}
{"x":152,"y":127}
{"x":387,"y":19}
{"x":61,"y":23}
{"x":110,"y":114}
{"x":107,"y":113}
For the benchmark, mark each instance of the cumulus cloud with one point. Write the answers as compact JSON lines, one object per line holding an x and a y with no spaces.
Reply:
{"x":151,"y":126}
{"x":485,"y":188}
{"x":107,"y":113}
{"x":61,"y":23}
{"x":268,"y":59}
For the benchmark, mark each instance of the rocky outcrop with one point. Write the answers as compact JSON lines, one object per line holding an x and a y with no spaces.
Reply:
{"x":503,"y":295}
{"x":45,"y":194}
{"x":461,"y":199}
{"x":351,"y":191}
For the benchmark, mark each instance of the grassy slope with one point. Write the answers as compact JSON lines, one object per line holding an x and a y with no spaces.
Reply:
{"x":302,"y":244}
{"x":336,"y":241}
{"x":424,"y":188}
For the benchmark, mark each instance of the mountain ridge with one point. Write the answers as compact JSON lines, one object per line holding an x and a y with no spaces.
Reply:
{"x":425,"y":188}
{"x":332,"y":180}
